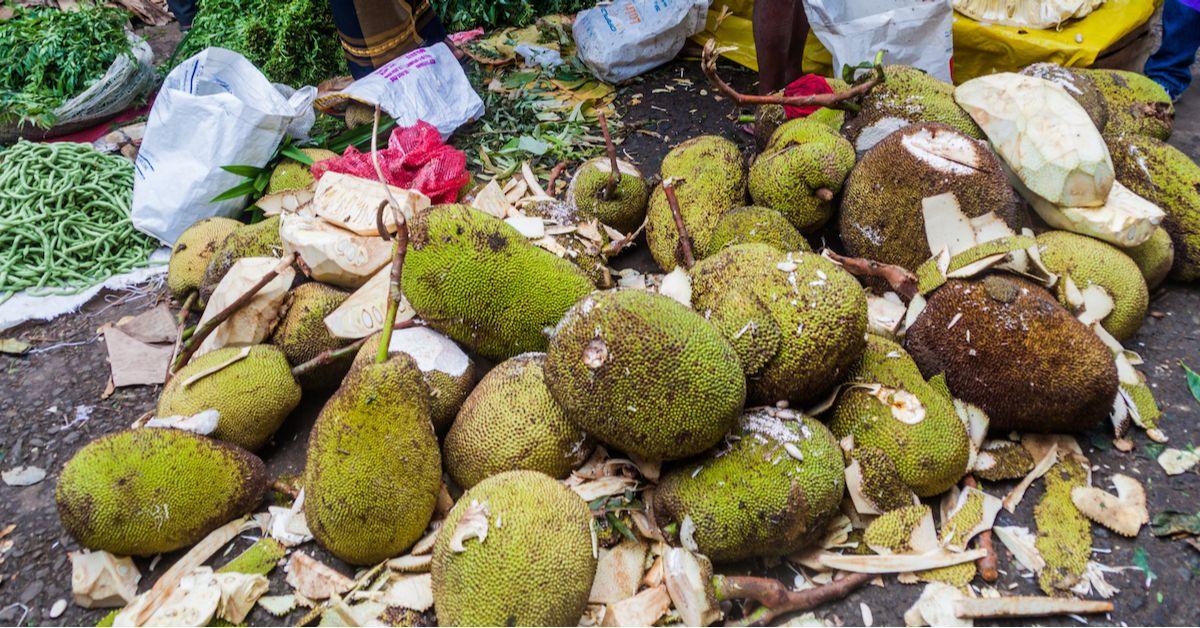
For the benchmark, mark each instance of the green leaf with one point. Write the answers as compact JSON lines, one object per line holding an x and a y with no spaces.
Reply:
{"x":533,"y":145}
{"x":244,"y":171}
{"x":1193,"y":381}
{"x":295,"y":153}
{"x":237,"y":191}
{"x":1172,"y":522}
{"x":620,"y":527}
{"x":1142,"y":561}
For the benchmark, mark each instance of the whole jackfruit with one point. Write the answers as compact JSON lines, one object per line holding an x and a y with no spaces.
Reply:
{"x":151,"y":491}
{"x":1006,"y":345}
{"x":882,"y":215}
{"x":373,"y":469}
{"x":768,"y":492}
{"x":252,"y":395}
{"x":804,"y":160}
{"x":260,"y":239}
{"x":1167,"y":177}
{"x":1064,"y":535}
{"x":511,"y":422}
{"x":448,"y":372}
{"x":1154,"y":257}
{"x":625,"y":209}
{"x":293,"y":175}
{"x":1087,"y":261}
{"x":906,"y":96}
{"x":645,"y":374}
{"x":1136,"y":104}
{"x":302,"y":335}
{"x":516,"y":550}
{"x":192,"y":251}
{"x":748,"y":225}
{"x":888,"y":406}
{"x":480,"y":282}
{"x":796,"y":320}
{"x":1079,"y":85}
{"x":713,"y":179}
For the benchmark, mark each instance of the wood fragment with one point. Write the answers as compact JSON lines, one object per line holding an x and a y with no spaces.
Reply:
{"x":1027,"y":606}
{"x":708,"y":63}
{"x":777,"y":599}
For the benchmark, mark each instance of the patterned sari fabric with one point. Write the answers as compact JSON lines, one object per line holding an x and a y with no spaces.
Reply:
{"x":374,"y":32}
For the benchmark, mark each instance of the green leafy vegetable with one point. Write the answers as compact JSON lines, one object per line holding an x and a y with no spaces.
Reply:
{"x":460,"y":15}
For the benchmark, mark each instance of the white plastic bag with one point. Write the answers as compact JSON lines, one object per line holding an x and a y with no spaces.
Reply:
{"x":624,"y":38}
{"x":424,"y":84}
{"x":912,"y":32}
{"x":215,"y":109}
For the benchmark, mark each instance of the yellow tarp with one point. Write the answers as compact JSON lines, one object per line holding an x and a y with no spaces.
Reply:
{"x":979,"y":48}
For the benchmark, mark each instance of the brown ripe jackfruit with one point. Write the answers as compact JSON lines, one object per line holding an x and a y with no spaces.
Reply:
{"x":1006,"y":345}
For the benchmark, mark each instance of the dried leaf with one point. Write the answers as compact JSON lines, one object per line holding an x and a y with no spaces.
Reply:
{"x":1124,"y":513}
{"x":313,"y":579}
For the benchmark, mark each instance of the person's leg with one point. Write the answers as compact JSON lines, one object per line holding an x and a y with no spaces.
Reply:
{"x":773,"y":33}
{"x":795,"y":62}
{"x":184,"y":11}
{"x":1170,"y":66}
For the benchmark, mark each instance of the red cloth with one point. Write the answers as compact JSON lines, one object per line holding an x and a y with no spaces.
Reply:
{"x":94,"y":133}
{"x":807,"y":85}
{"x":416,"y":158}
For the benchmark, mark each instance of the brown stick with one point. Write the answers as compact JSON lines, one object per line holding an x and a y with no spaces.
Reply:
{"x":708,"y":63}
{"x":180,"y":326}
{"x":776,"y":598}
{"x":333,"y":355}
{"x":986,"y":565}
{"x":684,"y":251}
{"x":900,"y":279}
{"x":555,"y":173}
{"x":211,"y":325}
{"x":614,"y":174}
{"x":615,"y":248}
{"x":279,"y":486}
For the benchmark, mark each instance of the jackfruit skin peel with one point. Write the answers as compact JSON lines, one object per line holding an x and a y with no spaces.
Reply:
{"x":796,"y":320}
{"x":1167,"y":177}
{"x":302,"y":335}
{"x":910,"y":96}
{"x":1136,"y":104}
{"x":929,"y":456}
{"x":447,"y":392}
{"x":534,"y":568}
{"x":1089,"y":261}
{"x":511,"y":422}
{"x":260,"y":239}
{"x":803,"y":156}
{"x":1016,"y":353}
{"x":625,"y":210}
{"x":260,"y":558}
{"x":882,"y":484}
{"x":893,"y":530}
{"x":1154,"y":257}
{"x":713,"y":180}
{"x":1012,"y":462}
{"x":252,"y":395}
{"x":151,"y":491}
{"x":373,"y":469}
{"x":756,"y":497}
{"x":1064,"y":535}
{"x":645,"y":374}
{"x":192,"y":252}
{"x":750,"y":225}
{"x":480,"y":282}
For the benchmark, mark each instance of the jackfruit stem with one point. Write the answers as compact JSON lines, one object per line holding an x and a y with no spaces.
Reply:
{"x":180,"y":328}
{"x":777,"y":599}
{"x":824,"y":194}
{"x":399,"y":247}
{"x":987,"y":566}
{"x":900,"y":279}
{"x":555,"y":173}
{"x":708,"y":63}
{"x":684,"y":250}
{"x":614,"y":173}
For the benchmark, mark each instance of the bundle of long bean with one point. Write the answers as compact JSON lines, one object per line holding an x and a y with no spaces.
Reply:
{"x":64,"y":219}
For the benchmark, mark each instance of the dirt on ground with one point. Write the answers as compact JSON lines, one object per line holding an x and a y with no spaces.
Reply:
{"x":52,"y":405}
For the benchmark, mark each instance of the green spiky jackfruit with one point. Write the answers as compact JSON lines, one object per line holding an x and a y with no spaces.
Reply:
{"x":373,"y":469}
{"x":748,"y":225}
{"x":1135,"y":103}
{"x":260,"y":239}
{"x":1079,"y":85}
{"x":1006,"y":345}
{"x":534,"y":568}
{"x":713,"y":179}
{"x":448,"y":372}
{"x":625,"y":209}
{"x":889,"y":406}
{"x":882,"y":215}
{"x":302,"y":335}
{"x":804,"y":160}
{"x":480,"y":282}
{"x":893,"y":530}
{"x":770,"y":492}
{"x":192,"y":252}
{"x":293,"y":175}
{"x":1154,"y":257}
{"x":796,"y":320}
{"x":1167,"y":177}
{"x":643,"y":373}
{"x":252,"y":395}
{"x":1087,"y":261}
{"x":150,"y":491}
{"x":906,"y":96}
{"x":1064,"y":535}
{"x":511,"y":422}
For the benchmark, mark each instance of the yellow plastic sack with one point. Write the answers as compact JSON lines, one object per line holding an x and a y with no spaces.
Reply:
{"x":979,"y":48}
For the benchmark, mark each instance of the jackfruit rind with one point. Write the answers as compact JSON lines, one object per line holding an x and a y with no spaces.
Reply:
{"x":1087,"y":261}
{"x":511,"y":422}
{"x":1064,"y":535}
{"x":1136,"y":104}
{"x":480,"y":282}
{"x":447,"y":371}
{"x":252,"y":395}
{"x":260,"y":558}
{"x":1145,"y":411}
{"x":373,"y":469}
{"x":930,"y":276}
{"x":930,"y":455}
{"x":151,"y":491}
{"x":534,"y":567}
{"x":881,"y":482}
{"x":906,"y":96}
{"x":1006,"y":460}
{"x":645,"y":374}
{"x":1167,"y":177}
{"x":192,"y":252}
{"x":260,"y":239}
{"x":803,"y":157}
{"x":1079,"y":85}
{"x":893,"y":530}
{"x":625,"y":210}
{"x":302,"y":335}
{"x":749,"y":225}
{"x":1006,"y":345}
{"x":882,"y":215}
{"x":1154,"y":257}
{"x":817,"y":309}
{"x":769,"y":491}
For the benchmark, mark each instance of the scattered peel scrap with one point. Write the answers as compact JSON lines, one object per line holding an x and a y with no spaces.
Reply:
{"x":1125,"y":513}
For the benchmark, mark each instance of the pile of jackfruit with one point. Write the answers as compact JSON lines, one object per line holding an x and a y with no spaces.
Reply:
{"x":743,"y":403}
